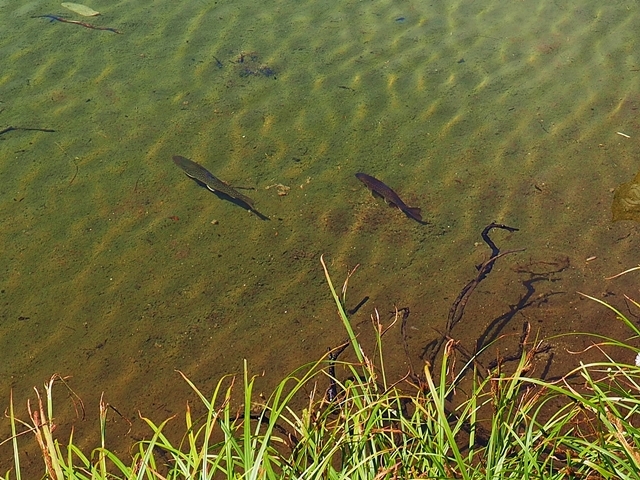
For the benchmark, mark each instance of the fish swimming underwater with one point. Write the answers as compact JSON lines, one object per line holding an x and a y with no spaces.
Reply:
{"x":205,"y":177}
{"x":391,"y":197}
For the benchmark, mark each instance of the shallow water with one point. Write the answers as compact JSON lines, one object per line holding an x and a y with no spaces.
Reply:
{"x":118,"y":269}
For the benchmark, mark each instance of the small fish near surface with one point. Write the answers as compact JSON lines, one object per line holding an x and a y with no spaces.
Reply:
{"x":379,"y":188}
{"x":205,"y":177}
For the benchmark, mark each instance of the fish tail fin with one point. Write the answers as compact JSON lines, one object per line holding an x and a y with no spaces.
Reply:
{"x":414,"y":212}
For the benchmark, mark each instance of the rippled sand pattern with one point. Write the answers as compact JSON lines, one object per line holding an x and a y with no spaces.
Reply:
{"x":117,"y":269}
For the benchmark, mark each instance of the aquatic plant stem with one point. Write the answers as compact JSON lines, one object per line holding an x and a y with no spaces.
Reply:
{"x":14,"y":438}
{"x":626,"y":321}
{"x":445,"y":437}
{"x":342,"y":313}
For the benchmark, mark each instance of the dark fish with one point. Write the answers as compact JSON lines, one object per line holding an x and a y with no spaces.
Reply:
{"x":391,"y":197}
{"x":202,"y":175}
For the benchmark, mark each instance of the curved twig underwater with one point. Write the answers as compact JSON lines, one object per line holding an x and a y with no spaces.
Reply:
{"x":56,"y":18}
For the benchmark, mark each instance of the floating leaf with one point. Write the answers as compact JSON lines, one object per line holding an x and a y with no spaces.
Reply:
{"x":626,"y":201}
{"x":80,"y":9}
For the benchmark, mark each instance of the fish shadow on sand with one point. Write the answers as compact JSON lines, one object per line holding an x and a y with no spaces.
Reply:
{"x":228,"y":198}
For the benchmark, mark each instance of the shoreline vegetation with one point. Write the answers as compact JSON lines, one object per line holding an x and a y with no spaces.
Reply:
{"x":365,"y":426}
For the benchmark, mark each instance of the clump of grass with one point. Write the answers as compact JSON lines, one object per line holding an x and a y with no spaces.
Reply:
{"x":510,"y":426}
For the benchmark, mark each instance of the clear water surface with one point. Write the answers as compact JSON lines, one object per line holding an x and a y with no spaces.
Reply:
{"x":117,"y":269}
